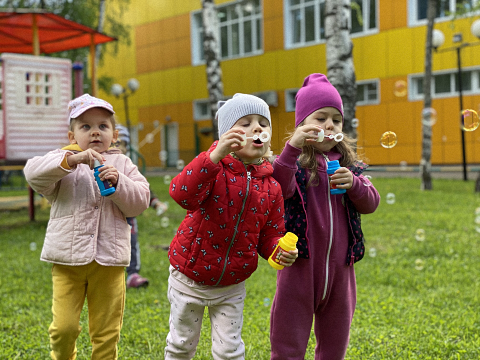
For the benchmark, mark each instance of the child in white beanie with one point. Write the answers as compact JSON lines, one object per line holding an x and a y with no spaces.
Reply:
{"x":234,"y":213}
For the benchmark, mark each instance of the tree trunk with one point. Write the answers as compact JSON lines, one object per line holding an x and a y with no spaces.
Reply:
{"x":340,"y":68}
{"x":425,"y":162}
{"x":212,"y":59}
{"x":101,"y":20}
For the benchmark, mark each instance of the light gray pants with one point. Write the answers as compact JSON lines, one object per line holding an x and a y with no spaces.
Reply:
{"x":226,"y":317}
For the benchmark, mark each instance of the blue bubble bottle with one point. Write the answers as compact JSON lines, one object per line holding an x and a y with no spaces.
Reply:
{"x":332,"y":166}
{"x":106,"y":187}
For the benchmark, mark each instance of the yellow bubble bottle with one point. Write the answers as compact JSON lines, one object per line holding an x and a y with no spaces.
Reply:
{"x":286,"y":243}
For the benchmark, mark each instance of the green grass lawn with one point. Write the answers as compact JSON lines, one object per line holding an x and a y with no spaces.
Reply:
{"x":415,"y":299}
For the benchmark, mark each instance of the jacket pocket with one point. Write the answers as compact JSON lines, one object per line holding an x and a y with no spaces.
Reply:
{"x":59,"y":240}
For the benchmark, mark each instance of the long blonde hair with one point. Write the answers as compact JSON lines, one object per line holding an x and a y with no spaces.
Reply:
{"x":308,"y":159}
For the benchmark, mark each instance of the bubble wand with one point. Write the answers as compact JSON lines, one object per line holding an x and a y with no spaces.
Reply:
{"x":337,"y":137}
{"x":263,"y":137}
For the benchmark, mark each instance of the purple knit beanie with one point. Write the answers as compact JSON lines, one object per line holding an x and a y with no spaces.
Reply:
{"x":316,"y":93}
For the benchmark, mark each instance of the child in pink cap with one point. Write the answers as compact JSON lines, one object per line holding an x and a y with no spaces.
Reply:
{"x":321,"y":283}
{"x":88,"y":238}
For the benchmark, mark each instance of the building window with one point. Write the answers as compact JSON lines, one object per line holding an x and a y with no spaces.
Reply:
{"x":201,"y":110}
{"x":368,"y":92}
{"x":305,"y":20}
{"x":363,"y":16}
{"x":290,"y":99}
{"x":240,"y":31}
{"x":418,"y":8}
{"x":446,"y":84}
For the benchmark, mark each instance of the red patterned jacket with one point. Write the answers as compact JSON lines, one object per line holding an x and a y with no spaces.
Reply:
{"x":234,"y":213}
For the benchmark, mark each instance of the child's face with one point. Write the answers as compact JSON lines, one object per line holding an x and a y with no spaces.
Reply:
{"x":330,"y":120}
{"x":253,"y":125}
{"x":93,"y":130}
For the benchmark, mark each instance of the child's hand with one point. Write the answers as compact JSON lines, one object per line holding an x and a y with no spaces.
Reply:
{"x":85,"y":157}
{"x":304,"y":135}
{"x":288,"y":258}
{"x":343,"y":178}
{"x":228,"y":142}
{"x":108,"y":172}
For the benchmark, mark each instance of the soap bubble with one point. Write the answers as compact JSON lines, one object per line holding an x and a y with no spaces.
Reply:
{"x":163,"y":155}
{"x":403,"y":165}
{"x":180,"y":164}
{"x":390,"y":198}
{"x":419,"y":264}
{"x":470,"y":121}
{"x":388,"y":139}
{"x":266,"y":302}
{"x":400,"y":88}
{"x":420,"y":235}
{"x":369,"y":177}
{"x":33,"y":246}
{"x":355,"y":123}
{"x":164,"y":222}
{"x":149,"y":138}
{"x":372,"y":252}
{"x":429,"y":116}
{"x":477,"y":211}
{"x":477,"y":220}
{"x":167,"y":179}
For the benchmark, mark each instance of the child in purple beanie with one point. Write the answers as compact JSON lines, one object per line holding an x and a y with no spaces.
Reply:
{"x":321,"y":283}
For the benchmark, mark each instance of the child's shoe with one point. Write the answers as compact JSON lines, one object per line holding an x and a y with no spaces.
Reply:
{"x":136,"y":281}
{"x":161,"y":207}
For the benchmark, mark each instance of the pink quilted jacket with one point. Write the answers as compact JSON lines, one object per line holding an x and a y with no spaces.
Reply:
{"x":85,"y":226}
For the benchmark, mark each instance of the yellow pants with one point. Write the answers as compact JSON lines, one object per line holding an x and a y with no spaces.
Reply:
{"x":104,"y":288}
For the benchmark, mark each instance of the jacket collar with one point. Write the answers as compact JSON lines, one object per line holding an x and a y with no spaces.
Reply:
{"x":238,"y":167}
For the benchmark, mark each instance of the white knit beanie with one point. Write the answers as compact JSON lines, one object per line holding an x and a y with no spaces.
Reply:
{"x":237,"y":107}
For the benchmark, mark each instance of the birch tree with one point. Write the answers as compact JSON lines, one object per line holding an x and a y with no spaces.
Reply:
{"x":212,"y":59}
{"x":425,"y":162}
{"x":340,"y":68}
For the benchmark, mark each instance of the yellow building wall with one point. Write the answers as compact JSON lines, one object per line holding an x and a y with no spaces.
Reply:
{"x":160,"y":58}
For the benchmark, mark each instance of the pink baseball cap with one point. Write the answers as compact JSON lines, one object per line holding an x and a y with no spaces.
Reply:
{"x":78,"y":106}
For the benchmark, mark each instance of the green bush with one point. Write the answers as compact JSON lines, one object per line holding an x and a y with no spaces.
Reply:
{"x":415,"y":299}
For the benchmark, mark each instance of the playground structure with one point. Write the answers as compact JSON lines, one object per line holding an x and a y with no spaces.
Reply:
{"x":35,"y":90}
{"x":35,"y":95}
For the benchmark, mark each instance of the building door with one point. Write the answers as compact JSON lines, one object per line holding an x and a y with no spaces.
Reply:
{"x":170,"y":143}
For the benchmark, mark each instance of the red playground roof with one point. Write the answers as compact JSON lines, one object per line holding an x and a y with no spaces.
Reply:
{"x":55,"y":33}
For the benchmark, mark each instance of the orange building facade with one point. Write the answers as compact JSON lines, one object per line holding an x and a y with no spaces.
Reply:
{"x":267,"y":48}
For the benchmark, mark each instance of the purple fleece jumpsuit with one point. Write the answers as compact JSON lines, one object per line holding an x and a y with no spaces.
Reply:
{"x":322,"y":286}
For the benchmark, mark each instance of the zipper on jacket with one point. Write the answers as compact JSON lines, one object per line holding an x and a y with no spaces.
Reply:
{"x":249,"y":178}
{"x":330,"y":242}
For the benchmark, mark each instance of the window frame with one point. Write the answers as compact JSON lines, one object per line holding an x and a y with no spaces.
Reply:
{"x":413,"y":14}
{"x":414,"y":93}
{"x":199,"y":115}
{"x":367,"y":101}
{"x":290,"y":100}
{"x":288,"y":23}
{"x":256,"y":33}
{"x":366,"y":30}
